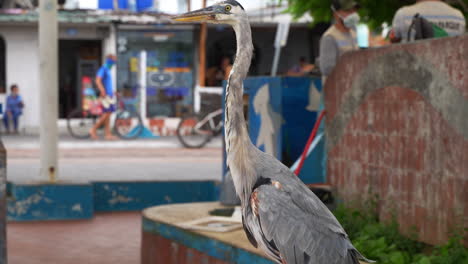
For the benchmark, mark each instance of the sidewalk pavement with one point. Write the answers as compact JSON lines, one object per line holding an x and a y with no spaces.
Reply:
{"x":68,"y":142}
{"x":160,"y":159}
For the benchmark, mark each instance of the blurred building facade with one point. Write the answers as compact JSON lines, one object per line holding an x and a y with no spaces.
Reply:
{"x":87,"y":36}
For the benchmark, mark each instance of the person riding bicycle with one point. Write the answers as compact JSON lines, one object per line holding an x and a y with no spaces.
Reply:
{"x":106,"y":95}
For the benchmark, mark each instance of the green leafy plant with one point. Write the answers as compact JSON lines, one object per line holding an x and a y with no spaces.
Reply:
{"x":384,"y":243}
{"x":450,"y":253}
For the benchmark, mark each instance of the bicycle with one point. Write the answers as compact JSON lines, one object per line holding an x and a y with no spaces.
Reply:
{"x":127,"y":123}
{"x":195,"y":131}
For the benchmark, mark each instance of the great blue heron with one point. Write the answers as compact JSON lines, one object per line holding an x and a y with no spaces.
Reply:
{"x":280,"y":214}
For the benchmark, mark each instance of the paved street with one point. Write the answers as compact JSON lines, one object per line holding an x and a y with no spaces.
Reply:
{"x":159,"y":159}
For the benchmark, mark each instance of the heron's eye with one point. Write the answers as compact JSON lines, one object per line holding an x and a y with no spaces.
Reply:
{"x":228,"y":8}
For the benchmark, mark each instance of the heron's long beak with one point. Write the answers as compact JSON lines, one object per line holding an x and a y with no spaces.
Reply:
{"x":197,"y":16}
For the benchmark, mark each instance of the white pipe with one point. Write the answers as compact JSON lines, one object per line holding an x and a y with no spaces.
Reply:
{"x":281,"y":40}
{"x":276,"y":58}
{"x":197,"y":95}
{"x":48,"y":68}
{"x":312,"y":147}
{"x":143,"y":84}
{"x":197,"y":99}
{"x":210,"y":90}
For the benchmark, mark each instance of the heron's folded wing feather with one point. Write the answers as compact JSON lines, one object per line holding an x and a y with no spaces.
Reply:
{"x":298,"y":234}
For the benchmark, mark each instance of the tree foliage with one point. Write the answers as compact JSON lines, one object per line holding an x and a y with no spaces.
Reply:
{"x":373,"y":12}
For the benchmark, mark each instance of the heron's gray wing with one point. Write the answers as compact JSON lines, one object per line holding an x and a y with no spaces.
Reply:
{"x":305,"y":199}
{"x":300,"y":236}
{"x":249,"y":234}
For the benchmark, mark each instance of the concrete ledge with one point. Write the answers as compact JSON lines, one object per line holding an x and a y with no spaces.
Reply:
{"x":41,"y":201}
{"x":68,"y":201}
{"x":131,"y":196}
{"x":164,"y":242}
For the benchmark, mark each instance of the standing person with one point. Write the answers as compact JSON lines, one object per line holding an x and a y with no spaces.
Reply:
{"x":437,"y":12}
{"x":340,"y":38}
{"x":106,"y":95}
{"x":14,"y":108}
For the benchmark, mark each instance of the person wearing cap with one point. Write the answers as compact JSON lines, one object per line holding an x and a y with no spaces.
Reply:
{"x":341,"y":37}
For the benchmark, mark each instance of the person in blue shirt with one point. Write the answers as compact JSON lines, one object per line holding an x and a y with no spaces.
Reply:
{"x":14,"y":108}
{"x":106,"y":94}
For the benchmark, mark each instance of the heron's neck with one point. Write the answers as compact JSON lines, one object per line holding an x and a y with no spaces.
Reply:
{"x":236,"y":134}
{"x":235,"y":127}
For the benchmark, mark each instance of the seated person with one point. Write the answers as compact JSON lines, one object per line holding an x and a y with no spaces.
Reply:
{"x":14,"y":108}
{"x":436,"y":12}
{"x":303,"y":68}
{"x":215,"y":75}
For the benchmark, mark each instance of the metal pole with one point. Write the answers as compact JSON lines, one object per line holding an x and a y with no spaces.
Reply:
{"x":203,"y":35}
{"x":201,"y":64}
{"x":274,"y":71}
{"x":281,"y":39}
{"x":143,"y":84}
{"x":48,"y":56}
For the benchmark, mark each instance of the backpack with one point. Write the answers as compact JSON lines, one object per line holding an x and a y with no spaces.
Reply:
{"x":424,"y":29}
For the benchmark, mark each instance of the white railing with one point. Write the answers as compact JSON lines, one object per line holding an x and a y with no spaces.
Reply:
{"x":197,"y":95}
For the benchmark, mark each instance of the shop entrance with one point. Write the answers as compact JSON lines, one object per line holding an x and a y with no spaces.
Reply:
{"x":77,"y":59}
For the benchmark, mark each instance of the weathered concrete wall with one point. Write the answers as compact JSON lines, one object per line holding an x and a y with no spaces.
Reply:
{"x":22,"y":68}
{"x":3,"y":205}
{"x":397,"y":126}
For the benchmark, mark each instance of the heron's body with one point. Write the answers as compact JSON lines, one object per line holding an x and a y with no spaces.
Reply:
{"x":280,"y":214}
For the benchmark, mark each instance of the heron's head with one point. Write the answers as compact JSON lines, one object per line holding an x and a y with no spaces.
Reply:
{"x":225,"y":12}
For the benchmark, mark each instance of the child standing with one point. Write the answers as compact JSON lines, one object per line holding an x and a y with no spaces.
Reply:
{"x":14,"y":108}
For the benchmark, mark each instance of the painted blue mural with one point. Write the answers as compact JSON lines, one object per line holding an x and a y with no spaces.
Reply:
{"x":282,"y":113}
{"x":264,"y":117}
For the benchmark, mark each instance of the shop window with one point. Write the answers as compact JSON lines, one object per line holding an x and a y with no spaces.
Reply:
{"x":2,"y":65}
{"x":169,"y":68}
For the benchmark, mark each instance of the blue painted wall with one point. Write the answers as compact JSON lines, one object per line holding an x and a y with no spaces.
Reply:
{"x":298,"y":120}
{"x":298,"y":125}
{"x":50,"y":201}
{"x":129,"y":196}
{"x":289,"y":96}
{"x":313,"y":171}
{"x":80,"y":201}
